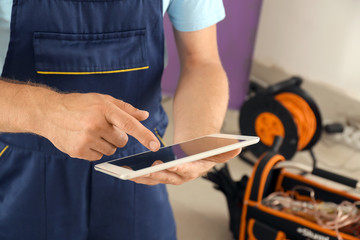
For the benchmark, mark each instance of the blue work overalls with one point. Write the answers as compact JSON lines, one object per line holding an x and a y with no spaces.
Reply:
{"x":113,"y":47}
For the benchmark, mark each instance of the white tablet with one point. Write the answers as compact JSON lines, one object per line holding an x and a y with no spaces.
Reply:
{"x":196,"y":149}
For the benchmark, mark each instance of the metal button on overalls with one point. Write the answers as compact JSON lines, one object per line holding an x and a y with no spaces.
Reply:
{"x":112,"y":47}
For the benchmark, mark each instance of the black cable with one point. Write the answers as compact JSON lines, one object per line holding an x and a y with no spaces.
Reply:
{"x":313,"y":157}
{"x":246,"y":159}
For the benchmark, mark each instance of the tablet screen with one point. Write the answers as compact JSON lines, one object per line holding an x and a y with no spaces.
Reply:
{"x":166,"y":154}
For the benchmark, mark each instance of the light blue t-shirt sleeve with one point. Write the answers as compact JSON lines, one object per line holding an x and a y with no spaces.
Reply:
{"x":193,"y":15}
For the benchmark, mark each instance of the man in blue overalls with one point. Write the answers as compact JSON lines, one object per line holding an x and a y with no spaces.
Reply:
{"x":81,"y":85}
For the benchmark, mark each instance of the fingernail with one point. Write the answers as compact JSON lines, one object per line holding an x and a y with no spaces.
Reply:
{"x":146,"y":113}
{"x":124,"y":136}
{"x":154,"y":146}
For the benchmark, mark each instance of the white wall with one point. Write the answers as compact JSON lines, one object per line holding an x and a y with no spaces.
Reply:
{"x":317,"y":39}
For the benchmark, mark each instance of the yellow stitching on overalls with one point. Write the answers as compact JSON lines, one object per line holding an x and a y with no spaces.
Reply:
{"x":4,"y":149}
{"x":101,"y":72}
{"x":159,"y":137}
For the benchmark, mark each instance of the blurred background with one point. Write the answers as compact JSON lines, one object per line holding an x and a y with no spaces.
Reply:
{"x":267,"y":42}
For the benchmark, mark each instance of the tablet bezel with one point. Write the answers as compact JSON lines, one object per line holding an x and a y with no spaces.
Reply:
{"x":126,"y":174}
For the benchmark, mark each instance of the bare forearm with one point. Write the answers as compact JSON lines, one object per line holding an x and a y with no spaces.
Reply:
{"x":200,"y":101}
{"x":83,"y":125}
{"x":22,"y":106}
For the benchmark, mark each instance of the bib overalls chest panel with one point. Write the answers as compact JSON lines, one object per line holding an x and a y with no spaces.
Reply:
{"x":113,"y":47}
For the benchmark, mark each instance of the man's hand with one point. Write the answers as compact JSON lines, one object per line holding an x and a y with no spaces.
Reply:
{"x":91,"y":125}
{"x":83,"y":125}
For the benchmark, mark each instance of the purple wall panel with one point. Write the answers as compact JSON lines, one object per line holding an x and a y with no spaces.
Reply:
{"x":236,"y":38}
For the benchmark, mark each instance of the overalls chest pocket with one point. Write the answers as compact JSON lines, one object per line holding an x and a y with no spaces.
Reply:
{"x":98,"y":53}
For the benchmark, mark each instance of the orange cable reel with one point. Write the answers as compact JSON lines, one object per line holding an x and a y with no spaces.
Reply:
{"x":303,"y":115}
{"x":284,"y":110}
{"x":267,"y":127}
